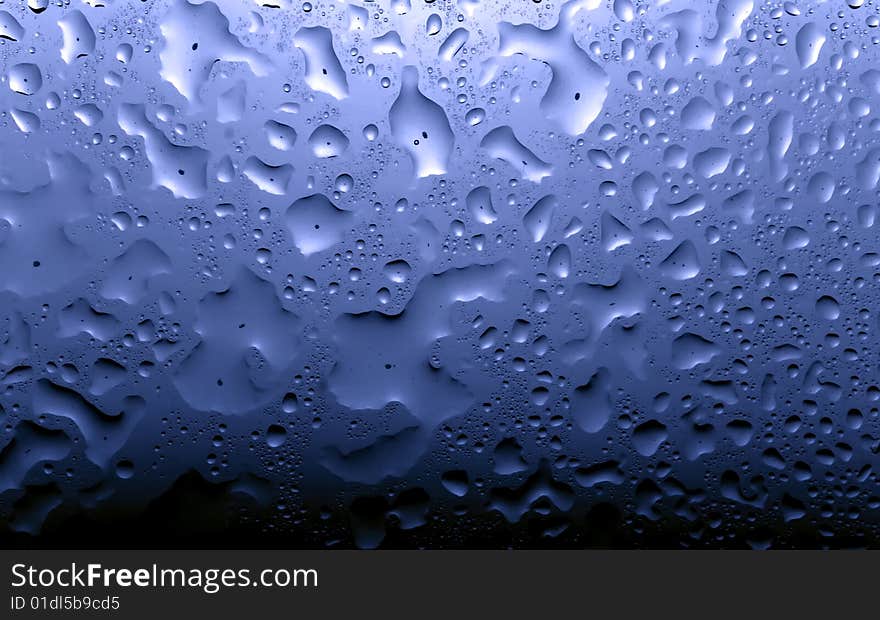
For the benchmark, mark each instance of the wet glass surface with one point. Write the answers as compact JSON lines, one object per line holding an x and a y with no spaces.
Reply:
{"x":439,"y":274}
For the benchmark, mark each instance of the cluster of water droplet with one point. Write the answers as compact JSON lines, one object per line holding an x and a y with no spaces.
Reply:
{"x":444,"y":273}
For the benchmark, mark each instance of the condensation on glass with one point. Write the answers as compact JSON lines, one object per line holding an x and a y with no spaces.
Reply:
{"x":436,"y":273}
